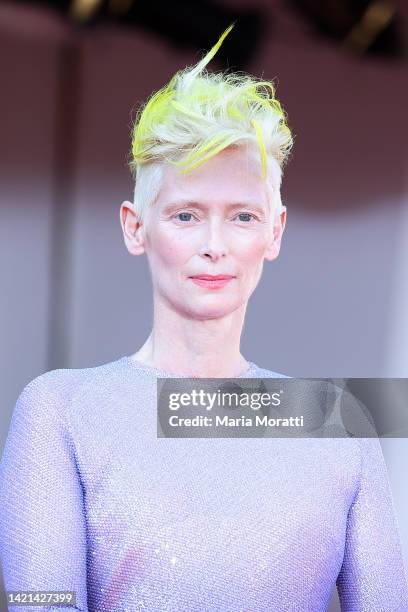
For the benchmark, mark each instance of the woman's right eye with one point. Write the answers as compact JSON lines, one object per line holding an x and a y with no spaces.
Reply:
{"x":185,"y":214}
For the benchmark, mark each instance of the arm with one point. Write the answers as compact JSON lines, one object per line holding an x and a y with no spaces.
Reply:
{"x":372,"y":576}
{"x":42,"y":520}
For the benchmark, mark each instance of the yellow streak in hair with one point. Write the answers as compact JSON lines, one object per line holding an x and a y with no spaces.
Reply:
{"x":262,"y":147}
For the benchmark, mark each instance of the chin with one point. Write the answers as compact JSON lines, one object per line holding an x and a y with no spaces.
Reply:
{"x":213,"y":311}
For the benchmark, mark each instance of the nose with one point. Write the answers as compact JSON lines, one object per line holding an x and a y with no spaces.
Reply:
{"x":214,"y":243}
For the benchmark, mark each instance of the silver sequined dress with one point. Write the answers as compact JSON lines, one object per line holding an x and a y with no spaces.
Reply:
{"x":92,"y":501}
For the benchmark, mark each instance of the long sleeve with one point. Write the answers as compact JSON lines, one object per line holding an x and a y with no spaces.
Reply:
{"x":42,"y":520}
{"x":372,"y":576}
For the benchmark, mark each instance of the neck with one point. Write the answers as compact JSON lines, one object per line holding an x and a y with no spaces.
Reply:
{"x":208,"y":348}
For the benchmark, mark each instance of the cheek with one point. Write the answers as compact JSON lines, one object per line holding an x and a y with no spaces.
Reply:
{"x":252,"y":251}
{"x":170,"y":249}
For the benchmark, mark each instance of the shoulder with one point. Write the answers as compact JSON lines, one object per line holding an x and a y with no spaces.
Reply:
{"x":54,"y":391}
{"x":62,"y":380}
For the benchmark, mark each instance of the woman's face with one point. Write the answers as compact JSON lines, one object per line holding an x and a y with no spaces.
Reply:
{"x":214,"y":220}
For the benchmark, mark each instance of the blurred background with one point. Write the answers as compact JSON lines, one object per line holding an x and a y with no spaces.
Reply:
{"x":335,"y":302}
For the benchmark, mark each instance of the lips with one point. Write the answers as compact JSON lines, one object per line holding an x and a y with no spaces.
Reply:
{"x":212,"y":281}
{"x":211,"y":277}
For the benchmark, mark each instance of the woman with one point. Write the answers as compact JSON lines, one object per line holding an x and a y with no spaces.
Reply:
{"x":92,"y":501}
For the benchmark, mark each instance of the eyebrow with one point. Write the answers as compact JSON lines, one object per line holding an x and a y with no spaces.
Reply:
{"x":191,"y":204}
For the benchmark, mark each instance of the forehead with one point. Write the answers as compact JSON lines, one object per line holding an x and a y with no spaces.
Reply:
{"x":232,"y":174}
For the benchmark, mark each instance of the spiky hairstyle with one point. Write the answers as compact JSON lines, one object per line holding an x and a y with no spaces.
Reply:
{"x":197,"y":115}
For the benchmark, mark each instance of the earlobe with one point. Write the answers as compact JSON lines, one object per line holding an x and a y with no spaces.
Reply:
{"x":135,"y":244}
{"x":273,"y":250}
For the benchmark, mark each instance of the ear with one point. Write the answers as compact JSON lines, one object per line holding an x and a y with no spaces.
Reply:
{"x":273,"y":248}
{"x":133,"y":229}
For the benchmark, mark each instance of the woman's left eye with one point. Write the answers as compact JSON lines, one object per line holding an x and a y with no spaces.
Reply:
{"x":246,"y":214}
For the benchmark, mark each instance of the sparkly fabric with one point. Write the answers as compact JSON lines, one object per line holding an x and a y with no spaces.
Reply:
{"x":92,"y":501}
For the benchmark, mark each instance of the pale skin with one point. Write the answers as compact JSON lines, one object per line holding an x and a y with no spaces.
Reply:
{"x":196,"y":330}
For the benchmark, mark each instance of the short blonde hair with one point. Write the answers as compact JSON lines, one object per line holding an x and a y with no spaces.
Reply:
{"x":197,"y":115}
